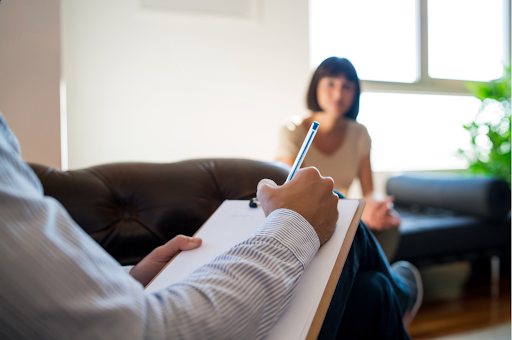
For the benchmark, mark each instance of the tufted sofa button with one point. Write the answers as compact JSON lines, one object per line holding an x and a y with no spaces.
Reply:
{"x":126,"y":215}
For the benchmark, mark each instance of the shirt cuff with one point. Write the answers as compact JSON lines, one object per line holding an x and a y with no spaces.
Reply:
{"x":127,"y":269}
{"x":293,"y":231}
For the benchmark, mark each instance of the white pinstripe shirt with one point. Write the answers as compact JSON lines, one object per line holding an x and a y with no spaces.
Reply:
{"x":57,"y":283}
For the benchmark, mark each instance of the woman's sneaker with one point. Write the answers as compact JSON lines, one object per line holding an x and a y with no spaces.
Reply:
{"x":411,"y":276}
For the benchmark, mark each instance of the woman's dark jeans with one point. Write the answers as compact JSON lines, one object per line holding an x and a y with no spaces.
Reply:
{"x":369,"y":300}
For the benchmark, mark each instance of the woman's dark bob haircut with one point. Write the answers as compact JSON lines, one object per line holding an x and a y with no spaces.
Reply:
{"x":334,"y":67}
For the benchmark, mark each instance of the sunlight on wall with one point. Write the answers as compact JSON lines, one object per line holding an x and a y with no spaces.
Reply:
{"x":161,"y":86}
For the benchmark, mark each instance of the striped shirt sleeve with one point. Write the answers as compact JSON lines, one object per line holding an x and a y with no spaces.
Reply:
{"x":243,"y":292}
{"x":57,"y":283}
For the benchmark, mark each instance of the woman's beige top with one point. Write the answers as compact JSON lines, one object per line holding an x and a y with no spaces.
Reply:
{"x":342,"y":165}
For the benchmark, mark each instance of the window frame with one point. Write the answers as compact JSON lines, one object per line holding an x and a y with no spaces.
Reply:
{"x":424,"y":83}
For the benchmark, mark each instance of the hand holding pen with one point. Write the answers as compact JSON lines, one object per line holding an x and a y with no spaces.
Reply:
{"x":299,"y":159}
{"x":309,"y":194}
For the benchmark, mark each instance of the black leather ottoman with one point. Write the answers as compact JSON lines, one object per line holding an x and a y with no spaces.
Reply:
{"x":451,"y":218}
{"x":435,"y":236}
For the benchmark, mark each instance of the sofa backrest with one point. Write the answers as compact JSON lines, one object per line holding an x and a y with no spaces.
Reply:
{"x":131,"y":208}
{"x":485,"y":197}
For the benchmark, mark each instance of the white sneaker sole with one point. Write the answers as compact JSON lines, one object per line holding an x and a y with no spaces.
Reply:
{"x":419,"y":287}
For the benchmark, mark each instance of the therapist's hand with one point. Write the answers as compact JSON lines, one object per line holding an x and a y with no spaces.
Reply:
{"x":151,"y":265}
{"x":309,"y":194}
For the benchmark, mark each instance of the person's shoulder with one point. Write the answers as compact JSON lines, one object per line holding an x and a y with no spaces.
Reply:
{"x":360,"y":136}
{"x":291,"y":135}
{"x":359,"y":128}
{"x":293,"y":124}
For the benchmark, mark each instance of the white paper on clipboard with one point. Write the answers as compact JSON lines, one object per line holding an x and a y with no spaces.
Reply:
{"x":232,"y":223}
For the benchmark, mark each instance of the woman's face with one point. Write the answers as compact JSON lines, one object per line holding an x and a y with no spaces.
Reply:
{"x":335,"y":95}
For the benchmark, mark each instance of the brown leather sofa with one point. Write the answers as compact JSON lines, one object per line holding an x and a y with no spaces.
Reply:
{"x":131,"y":208}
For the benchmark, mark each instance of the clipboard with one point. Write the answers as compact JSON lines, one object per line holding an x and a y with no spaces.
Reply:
{"x":318,"y":320}
{"x":315,"y":318}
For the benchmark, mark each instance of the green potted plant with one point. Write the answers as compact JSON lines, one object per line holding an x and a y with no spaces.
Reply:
{"x":490,"y":131}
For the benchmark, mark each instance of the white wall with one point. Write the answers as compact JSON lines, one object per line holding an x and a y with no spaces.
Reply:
{"x":162,"y":86}
{"x":29,"y":76}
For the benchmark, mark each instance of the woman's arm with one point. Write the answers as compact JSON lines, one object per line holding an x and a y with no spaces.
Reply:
{"x":286,"y":160}
{"x":365,"y":177}
{"x":290,"y":140}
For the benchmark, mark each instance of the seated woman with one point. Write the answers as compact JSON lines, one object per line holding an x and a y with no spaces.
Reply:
{"x":341,"y":148}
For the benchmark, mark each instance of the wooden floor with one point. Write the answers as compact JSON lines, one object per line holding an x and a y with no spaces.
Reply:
{"x":475,"y":309}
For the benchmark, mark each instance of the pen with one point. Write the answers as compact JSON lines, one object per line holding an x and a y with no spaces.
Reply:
{"x":303,"y":150}
{"x":253,"y":203}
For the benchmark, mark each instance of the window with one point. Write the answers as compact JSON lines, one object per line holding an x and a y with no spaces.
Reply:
{"x":414,"y":57}
{"x":417,"y":131}
{"x":387,"y":54}
{"x":465,"y":44}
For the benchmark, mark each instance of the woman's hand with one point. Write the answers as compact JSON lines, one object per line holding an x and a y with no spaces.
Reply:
{"x":146,"y":269}
{"x":380,"y":215}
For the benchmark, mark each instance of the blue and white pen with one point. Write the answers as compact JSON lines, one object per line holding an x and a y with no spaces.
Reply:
{"x":253,"y":203}
{"x":303,"y":150}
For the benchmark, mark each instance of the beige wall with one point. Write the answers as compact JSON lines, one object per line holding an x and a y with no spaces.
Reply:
{"x":161,"y":86}
{"x":30,"y":75}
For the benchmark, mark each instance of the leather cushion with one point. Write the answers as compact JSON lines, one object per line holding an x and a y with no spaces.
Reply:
{"x":131,"y":208}
{"x":484,"y":197}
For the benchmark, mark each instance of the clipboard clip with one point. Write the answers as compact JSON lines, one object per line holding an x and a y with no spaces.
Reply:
{"x":254,"y":203}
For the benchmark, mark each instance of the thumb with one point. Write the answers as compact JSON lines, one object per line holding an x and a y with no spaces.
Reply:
{"x":172,"y":247}
{"x":389,"y":201}
{"x":264,"y":185}
{"x":266,"y":181}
